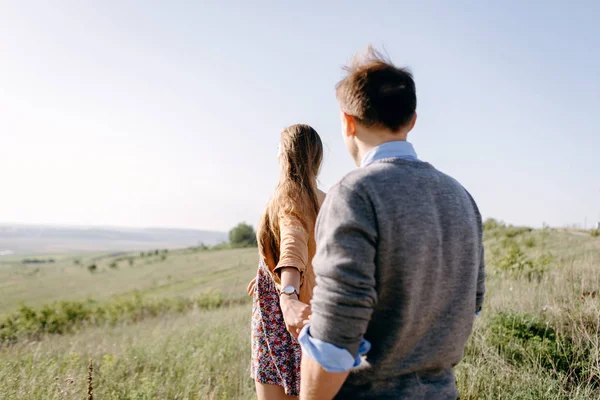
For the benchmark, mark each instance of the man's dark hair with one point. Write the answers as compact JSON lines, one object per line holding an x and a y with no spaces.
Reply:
{"x":376,"y":92}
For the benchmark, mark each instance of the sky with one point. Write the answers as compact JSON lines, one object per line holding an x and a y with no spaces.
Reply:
{"x":168,"y":114}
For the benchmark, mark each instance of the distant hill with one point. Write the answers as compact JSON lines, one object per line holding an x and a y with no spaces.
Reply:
{"x":28,"y":239}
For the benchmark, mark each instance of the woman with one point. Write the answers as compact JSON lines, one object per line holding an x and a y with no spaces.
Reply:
{"x":285,"y":280}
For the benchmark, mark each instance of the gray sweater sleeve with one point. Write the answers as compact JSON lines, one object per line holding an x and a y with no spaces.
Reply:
{"x":480,"y":294}
{"x":344,"y":264}
{"x":480,"y":282}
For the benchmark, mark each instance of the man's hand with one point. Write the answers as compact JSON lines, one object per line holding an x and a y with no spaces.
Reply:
{"x":296,"y":314}
{"x":251,"y":287}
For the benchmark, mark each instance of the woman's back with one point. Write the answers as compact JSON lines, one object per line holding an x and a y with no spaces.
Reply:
{"x":297,"y":248}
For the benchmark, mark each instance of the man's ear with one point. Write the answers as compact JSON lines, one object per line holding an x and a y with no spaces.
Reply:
{"x":348,"y":125}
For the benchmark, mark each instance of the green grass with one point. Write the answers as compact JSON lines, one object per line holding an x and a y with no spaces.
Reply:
{"x":201,"y":355}
{"x":537,"y":338}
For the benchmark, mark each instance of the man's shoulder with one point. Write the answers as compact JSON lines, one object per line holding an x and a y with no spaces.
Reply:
{"x":384,"y":172}
{"x":353,"y":185}
{"x":354,"y":178}
{"x":391,"y":175}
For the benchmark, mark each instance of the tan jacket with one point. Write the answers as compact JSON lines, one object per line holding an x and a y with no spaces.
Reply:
{"x":296,"y":249}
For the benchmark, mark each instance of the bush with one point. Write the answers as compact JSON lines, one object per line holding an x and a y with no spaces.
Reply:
{"x":242,"y":235}
{"x":514,"y":231}
{"x":595,"y":233}
{"x":521,"y":339}
{"x":66,"y":316}
{"x":516,"y":263}
{"x":113,"y":265}
{"x":55,"y":318}
{"x":92,"y":268}
{"x":490,"y":224}
{"x":517,"y":336}
{"x":530,"y":242}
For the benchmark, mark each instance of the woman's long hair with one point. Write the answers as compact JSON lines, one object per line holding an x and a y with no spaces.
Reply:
{"x":300,"y":157}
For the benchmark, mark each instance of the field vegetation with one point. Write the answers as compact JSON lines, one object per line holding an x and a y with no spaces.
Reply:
{"x":175,"y":324}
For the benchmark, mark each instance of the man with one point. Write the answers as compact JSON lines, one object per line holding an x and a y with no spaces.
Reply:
{"x":399,"y":264}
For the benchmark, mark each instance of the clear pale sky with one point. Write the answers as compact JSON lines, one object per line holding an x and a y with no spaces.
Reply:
{"x":156,"y":113}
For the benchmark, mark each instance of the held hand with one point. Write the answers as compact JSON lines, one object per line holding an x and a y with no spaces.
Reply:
{"x":251,"y":287}
{"x":296,"y":314}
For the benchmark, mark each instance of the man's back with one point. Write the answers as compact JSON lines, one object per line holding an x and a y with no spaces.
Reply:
{"x":402,"y":271}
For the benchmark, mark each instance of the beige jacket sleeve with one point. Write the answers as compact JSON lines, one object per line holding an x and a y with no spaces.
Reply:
{"x":293,"y":247}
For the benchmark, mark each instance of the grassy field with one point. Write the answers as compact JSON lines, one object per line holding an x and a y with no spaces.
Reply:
{"x":181,"y":273}
{"x":538,"y":337}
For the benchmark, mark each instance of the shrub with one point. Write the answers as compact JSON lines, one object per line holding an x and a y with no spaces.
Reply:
{"x":491,"y":223}
{"x":514,"y":231}
{"x":66,"y":316}
{"x":113,"y":265}
{"x":55,"y":318}
{"x":517,"y":335}
{"x":516,"y":263}
{"x":131,"y":261}
{"x":595,"y":233}
{"x":242,"y":235}
{"x":92,"y":268}
{"x":521,"y":339}
{"x":530,"y":242}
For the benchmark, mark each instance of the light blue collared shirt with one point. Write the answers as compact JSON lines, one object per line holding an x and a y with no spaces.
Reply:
{"x":329,"y":356}
{"x":397,"y":149}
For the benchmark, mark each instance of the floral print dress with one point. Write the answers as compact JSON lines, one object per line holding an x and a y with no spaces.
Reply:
{"x":275,"y":353}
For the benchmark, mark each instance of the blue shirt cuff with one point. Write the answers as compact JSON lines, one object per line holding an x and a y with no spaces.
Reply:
{"x":329,"y":356}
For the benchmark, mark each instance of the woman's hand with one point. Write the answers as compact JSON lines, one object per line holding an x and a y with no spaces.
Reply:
{"x":251,"y":287}
{"x":296,"y":314}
